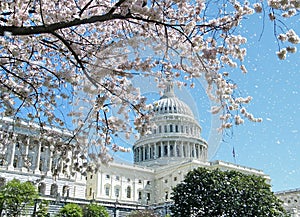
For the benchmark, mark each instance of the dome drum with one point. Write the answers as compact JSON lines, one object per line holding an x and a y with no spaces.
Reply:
{"x":170,"y":149}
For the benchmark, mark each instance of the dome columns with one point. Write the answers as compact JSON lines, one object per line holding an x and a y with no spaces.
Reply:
{"x":169,"y":149}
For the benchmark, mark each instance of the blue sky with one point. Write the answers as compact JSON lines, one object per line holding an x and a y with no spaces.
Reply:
{"x":273,"y":145}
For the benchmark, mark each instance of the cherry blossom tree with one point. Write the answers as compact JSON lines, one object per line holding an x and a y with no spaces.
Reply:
{"x":67,"y":63}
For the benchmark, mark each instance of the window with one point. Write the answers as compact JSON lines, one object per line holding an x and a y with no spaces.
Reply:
{"x":148,"y":196}
{"x":107,"y":190}
{"x":166,"y":181}
{"x":91,"y":176}
{"x":54,"y":190}
{"x":128,"y":180}
{"x":148,"y":182}
{"x":175,"y":178}
{"x":176,"y":128}
{"x":66,"y":191}
{"x":171,"y":128}
{"x":146,"y":153}
{"x":107,"y":176}
{"x":140,"y":181}
{"x":140,"y":195}
{"x":159,"y":151}
{"x":128,"y":192}
{"x":165,"y":150}
{"x":91,"y":191}
{"x":171,"y":150}
{"x":42,"y":188}
{"x":159,"y":129}
{"x":41,"y":165}
{"x":166,"y":128}
{"x":117,"y":192}
{"x":117,"y":178}
{"x":166,"y":195}
{"x":16,"y":160}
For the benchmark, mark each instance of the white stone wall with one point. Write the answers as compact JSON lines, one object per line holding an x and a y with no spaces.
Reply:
{"x":103,"y":185}
{"x":291,"y":200}
{"x":27,"y":156}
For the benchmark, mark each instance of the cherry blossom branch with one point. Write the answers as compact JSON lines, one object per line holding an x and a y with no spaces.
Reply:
{"x":62,"y":39}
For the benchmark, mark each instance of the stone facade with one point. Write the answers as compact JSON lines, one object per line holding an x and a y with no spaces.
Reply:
{"x":28,"y":156}
{"x":291,"y":200}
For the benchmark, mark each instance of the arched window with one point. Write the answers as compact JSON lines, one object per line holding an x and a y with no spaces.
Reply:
{"x":54,"y":190}
{"x":66,"y":191}
{"x":42,"y":188}
{"x":128,"y":192}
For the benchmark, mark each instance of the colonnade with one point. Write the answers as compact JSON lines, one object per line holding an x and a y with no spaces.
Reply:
{"x":27,"y":152}
{"x":152,"y":151}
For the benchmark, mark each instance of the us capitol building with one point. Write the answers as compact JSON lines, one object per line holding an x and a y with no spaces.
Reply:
{"x":161,"y":160}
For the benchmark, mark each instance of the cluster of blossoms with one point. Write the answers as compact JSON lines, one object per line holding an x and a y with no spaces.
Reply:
{"x":284,"y":4}
{"x":291,"y":37}
{"x":71,"y":63}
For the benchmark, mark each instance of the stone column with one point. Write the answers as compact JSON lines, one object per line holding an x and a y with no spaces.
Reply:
{"x":25,"y":161}
{"x":194,"y":150}
{"x":175,"y":149}
{"x":38,"y":157}
{"x":50,"y":159}
{"x":140,"y":154}
{"x":12,"y":153}
{"x":143,"y":152}
{"x":148,"y":152}
{"x":161,"y":149}
{"x":168,"y":149}
{"x":182,"y":151}
{"x":155,"y":151}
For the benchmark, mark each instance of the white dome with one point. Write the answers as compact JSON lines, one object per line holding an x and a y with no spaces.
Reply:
{"x":169,"y":103}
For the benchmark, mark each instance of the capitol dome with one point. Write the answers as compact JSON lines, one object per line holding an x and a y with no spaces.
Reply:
{"x":175,"y":135}
{"x":169,"y":103}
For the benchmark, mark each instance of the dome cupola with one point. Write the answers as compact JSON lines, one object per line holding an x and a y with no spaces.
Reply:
{"x":175,"y":135}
